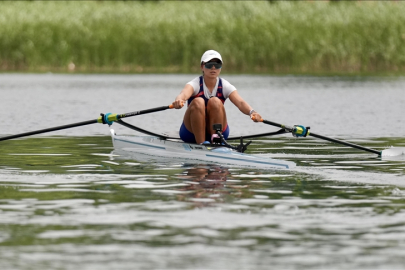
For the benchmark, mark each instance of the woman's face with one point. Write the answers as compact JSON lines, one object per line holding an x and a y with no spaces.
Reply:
{"x":211,"y":69}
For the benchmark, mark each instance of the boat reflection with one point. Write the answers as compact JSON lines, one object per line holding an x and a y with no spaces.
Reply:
{"x":207,"y":176}
{"x":209,"y":185}
{"x":206,"y":184}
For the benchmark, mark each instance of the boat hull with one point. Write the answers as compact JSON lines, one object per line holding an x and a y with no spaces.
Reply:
{"x":150,"y":148}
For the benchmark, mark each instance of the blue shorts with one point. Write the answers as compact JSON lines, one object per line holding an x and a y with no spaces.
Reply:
{"x":188,"y":137}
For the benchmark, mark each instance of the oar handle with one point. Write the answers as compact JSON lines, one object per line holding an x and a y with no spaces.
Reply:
{"x":110,"y":118}
{"x":162,"y":108}
{"x":287,"y":128}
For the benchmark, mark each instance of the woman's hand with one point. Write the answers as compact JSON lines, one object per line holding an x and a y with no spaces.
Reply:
{"x":256,"y":117}
{"x":178,"y":103}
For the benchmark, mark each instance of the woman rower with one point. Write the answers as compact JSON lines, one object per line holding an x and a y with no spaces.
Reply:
{"x":206,"y":96}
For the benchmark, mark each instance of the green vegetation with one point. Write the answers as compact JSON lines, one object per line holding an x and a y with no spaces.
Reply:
{"x":253,"y":37}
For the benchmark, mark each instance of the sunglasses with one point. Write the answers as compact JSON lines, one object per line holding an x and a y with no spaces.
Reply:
{"x":209,"y":65}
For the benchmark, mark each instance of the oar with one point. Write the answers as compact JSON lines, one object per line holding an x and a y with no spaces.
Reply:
{"x":302,"y":132}
{"x":162,"y":136}
{"x":281,"y":131}
{"x":103,"y":119}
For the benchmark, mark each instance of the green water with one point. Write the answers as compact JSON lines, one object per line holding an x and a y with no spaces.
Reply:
{"x":72,"y":203}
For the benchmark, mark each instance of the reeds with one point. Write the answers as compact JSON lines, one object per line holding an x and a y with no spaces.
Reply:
{"x":253,"y":37}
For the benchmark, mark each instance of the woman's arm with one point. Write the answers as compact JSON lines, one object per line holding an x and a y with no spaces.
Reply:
{"x":243,"y":106}
{"x":184,"y":95}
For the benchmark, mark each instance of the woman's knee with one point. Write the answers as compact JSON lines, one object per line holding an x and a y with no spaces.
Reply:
{"x":214,"y":103}
{"x":197,"y":104}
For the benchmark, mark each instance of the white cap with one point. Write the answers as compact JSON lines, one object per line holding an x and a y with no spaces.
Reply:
{"x":209,"y":55}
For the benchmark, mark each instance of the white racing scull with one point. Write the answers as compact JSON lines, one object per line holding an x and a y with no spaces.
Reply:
{"x":150,"y":147}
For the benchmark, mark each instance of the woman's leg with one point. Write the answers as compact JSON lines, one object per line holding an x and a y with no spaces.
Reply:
{"x":215,"y":114}
{"x":194,"y":119}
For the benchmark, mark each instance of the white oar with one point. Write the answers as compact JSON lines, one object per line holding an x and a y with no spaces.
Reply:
{"x":393,"y":152}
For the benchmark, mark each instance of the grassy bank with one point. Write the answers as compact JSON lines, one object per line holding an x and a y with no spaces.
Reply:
{"x":253,"y":37}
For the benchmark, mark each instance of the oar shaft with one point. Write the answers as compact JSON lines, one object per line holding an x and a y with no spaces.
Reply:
{"x":281,"y":131}
{"x":125,"y":124}
{"x":290,"y":129}
{"x":345,"y":143}
{"x":48,"y":130}
{"x":107,"y":119}
{"x":110,"y":118}
{"x":145,"y":111}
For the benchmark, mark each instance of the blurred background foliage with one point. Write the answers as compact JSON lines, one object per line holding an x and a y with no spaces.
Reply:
{"x":266,"y":37}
